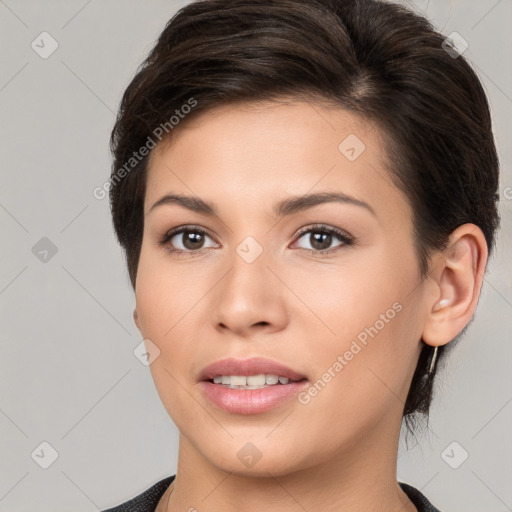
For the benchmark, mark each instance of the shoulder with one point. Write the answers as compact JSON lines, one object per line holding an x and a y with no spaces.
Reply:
{"x":145,"y":501}
{"x":419,"y":499}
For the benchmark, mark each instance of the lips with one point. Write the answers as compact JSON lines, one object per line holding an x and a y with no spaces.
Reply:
{"x":252,"y":366}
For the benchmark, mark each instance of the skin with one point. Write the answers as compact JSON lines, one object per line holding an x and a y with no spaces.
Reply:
{"x":339,"y":451}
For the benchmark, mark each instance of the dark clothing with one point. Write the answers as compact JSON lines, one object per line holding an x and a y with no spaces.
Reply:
{"x":148,"y":500}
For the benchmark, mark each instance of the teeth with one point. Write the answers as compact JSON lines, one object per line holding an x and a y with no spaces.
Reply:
{"x":251,"y":381}
{"x":271,"y":379}
{"x":254,"y":380}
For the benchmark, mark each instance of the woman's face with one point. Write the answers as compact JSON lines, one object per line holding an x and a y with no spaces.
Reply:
{"x":344,"y":312}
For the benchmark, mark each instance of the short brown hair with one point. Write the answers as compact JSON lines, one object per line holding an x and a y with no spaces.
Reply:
{"x":376,"y":59}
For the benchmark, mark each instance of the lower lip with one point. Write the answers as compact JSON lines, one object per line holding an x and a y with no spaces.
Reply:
{"x":251,"y":401}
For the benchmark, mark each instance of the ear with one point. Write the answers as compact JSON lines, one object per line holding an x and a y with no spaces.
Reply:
{"x":456,"y":280}
{"x":136,"y":318}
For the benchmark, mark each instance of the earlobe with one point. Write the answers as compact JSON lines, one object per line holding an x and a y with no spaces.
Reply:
{"x":458,"y":280}
{"x":136,"y":318}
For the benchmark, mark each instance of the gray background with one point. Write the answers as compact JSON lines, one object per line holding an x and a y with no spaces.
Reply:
{"x":68,"y":375}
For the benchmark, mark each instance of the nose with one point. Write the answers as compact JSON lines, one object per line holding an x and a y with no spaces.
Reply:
{"x":249,"y":299}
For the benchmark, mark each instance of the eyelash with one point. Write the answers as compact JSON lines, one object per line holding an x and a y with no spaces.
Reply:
{"x":317,"y":228}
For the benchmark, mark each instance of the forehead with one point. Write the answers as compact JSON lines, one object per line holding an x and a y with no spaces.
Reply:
{"x":249,"y":153}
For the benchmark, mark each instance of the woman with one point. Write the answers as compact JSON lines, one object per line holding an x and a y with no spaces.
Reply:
{"x":307,"y":221}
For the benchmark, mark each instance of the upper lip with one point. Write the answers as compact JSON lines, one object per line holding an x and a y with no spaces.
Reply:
{"x":251,"y":366}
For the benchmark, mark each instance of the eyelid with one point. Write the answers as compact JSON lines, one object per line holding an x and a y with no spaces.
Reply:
{"x":323,"y":227}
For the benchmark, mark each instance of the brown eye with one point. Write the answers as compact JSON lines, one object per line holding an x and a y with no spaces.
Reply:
{"x":185,"y":239}
{"x":320,"y":241}
{"x":192,"y":240}
{"x":321,"y":237}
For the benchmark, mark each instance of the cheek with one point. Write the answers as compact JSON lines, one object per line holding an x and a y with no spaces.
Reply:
{"x":167,"y":306}
{"x":350,"y":296}
{"x":164,"y":292}
{"x":170,"y":299}
{"x":370,"y":319}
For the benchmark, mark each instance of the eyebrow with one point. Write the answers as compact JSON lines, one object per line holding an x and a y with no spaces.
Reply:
{"x":284,"y":208}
